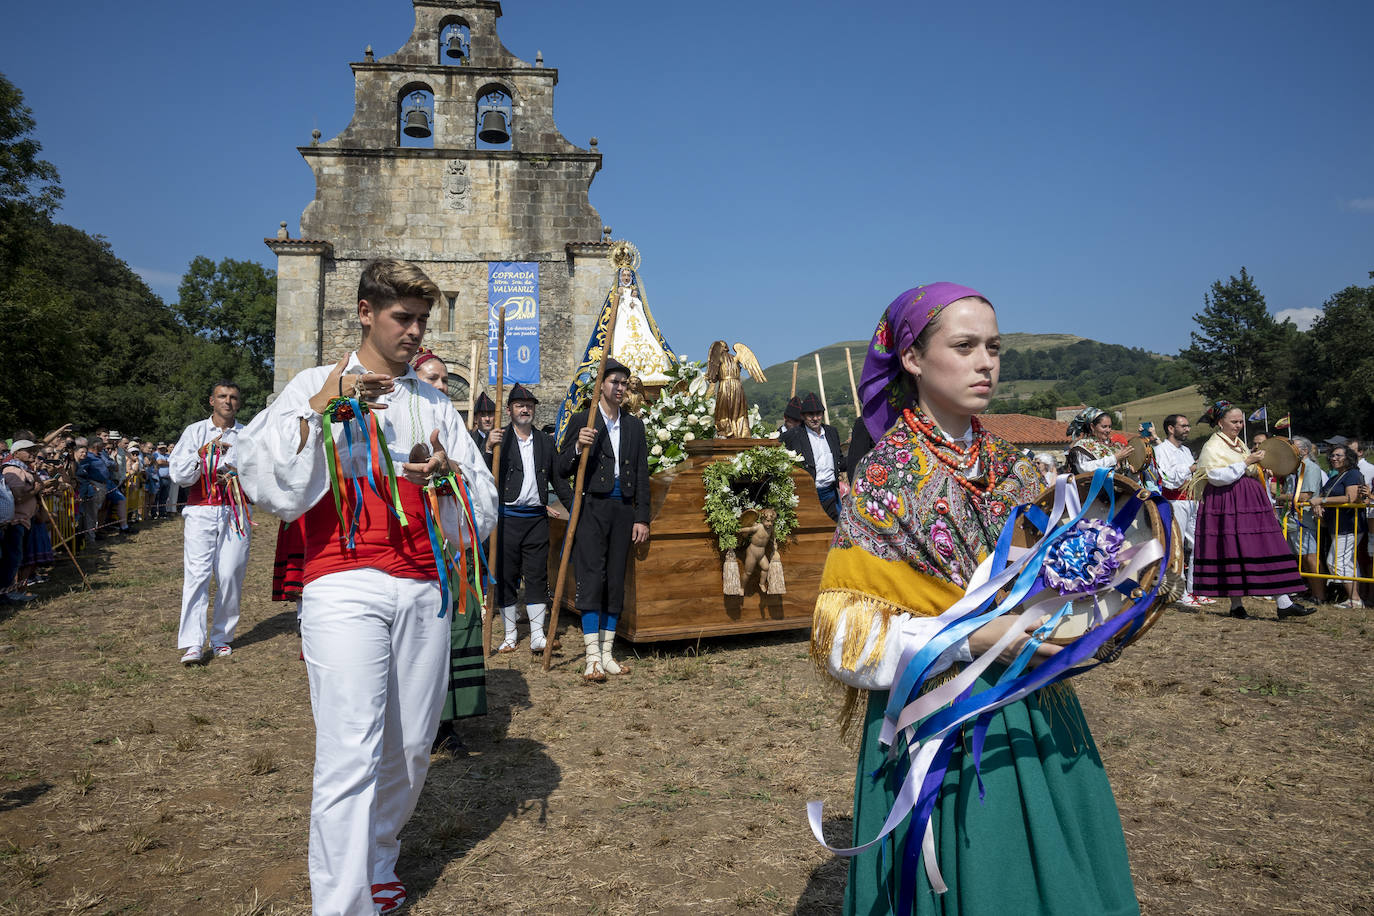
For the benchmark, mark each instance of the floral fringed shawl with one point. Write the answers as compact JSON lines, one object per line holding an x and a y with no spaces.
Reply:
{"x":908,"y":540}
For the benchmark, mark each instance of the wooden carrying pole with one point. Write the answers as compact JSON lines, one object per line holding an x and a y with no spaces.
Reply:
{"x":496,"y":474}
{"x":472,"y":387}
{"x":820,"y":385}
{"x":575,"y":510}
{"x":854,"y":389}
{"x":793,"y":393}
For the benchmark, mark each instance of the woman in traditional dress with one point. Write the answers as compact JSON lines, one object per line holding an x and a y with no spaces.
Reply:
{"x":1092,"y":449}
{"x":1238,"y":548}
{"x":926,"y":508}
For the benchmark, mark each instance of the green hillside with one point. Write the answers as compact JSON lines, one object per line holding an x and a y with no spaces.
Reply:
{"x":1039,"y":372}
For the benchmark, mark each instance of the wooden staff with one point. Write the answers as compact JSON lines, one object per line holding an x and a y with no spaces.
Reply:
{"x":820,"y":383}
{"x":575,"y":511}
{"x":794,"y":381}
{"x":496,"y":473}
{"x":849,"y":361}
{"x":472,"y":387}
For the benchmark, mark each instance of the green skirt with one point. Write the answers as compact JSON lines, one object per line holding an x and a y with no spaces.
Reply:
{"x":1046,"y":839}
{"x":466,"y":695}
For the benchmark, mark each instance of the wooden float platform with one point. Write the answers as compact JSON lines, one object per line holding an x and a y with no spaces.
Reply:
{"x":673,"y":588}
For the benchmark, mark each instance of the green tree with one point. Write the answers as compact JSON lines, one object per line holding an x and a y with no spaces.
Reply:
{"x":1238,"y":350}
{"x":1342,"y":351}
{"x":232,"y":305}
{"x":25,"y":180}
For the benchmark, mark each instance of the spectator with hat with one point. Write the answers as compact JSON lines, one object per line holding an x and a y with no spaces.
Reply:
{"x":483,"y":422}
{"x":615,"y":513}
{"x":819,"y":446}
{"x":522,"y":482}
{"x":22,"y":484}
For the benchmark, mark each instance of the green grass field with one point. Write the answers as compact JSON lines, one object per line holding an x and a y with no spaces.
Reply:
{"x":1186,"y":401}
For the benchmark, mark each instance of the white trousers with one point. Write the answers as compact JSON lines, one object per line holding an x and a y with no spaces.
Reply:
{"x":377,"y":653}
{"x":1185,"y":515}
{"x":210,"y":547}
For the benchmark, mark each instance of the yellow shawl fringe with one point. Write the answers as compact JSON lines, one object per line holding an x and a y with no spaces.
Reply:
{"x":855,"y":586}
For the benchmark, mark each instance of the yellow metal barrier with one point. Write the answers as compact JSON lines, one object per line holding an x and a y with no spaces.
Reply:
{"x":1360,"y":526}
{"x":61,"y":510}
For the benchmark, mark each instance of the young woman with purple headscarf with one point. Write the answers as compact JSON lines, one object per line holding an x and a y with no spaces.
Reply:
{"x":926,"y":508}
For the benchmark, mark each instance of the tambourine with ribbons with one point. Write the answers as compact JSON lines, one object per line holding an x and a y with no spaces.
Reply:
{"x":358,"y":421}
{"x":451,"y":562}
{"x":222,"y":487}
{"x":1089,"y":566}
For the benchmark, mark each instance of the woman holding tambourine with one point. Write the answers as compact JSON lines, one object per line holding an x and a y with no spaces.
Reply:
{"x":1092,"y":448}
{"x":927,"y":506}
{"x":1238,"y":548}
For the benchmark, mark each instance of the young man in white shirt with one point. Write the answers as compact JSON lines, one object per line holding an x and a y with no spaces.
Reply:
{"x":1176,"y":466}
{"x":374,"y":626}
{"x":214,"y":539}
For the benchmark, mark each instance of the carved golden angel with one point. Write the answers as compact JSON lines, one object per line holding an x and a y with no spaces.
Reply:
{"x":723,"y":372}
{"x":634,"y":397}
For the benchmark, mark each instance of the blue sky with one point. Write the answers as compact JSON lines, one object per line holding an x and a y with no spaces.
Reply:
{"x":786,"y":168}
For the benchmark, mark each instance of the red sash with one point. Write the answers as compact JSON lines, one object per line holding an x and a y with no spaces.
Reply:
{"x":196,"y":496}
{"x":381,"y":543}
{"x":1175,"y":494}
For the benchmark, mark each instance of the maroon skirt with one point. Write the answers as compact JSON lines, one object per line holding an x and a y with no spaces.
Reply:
{"x":1238,"y":548}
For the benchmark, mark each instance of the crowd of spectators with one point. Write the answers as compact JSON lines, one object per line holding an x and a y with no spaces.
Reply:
{"x":1330,"y":536}
{"x":67,"y":491}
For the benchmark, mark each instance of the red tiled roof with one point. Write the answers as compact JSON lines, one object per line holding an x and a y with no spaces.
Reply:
{"x":1019,"y":429}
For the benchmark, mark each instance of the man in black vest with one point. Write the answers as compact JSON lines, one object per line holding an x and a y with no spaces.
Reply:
{"x":615,"y":512}
{"x":819,"y":446}
{"x":483,"y":422}
{"x":522,"y":485}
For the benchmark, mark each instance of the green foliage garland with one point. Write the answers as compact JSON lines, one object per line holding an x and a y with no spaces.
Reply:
{"x":759,"y":478}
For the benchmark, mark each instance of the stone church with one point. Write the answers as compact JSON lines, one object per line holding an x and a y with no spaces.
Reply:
{"x":452,"y":161}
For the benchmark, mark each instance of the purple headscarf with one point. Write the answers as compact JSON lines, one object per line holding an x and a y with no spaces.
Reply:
{"x":886,"y":389}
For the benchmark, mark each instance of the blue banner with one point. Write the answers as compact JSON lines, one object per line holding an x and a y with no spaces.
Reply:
{"x":514,"y":287}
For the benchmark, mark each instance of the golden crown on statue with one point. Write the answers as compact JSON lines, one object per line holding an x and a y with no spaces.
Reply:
{"x":624,"y":254}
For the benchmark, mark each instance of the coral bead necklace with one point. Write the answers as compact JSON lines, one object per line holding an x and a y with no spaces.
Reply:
{"x":940,"y":446}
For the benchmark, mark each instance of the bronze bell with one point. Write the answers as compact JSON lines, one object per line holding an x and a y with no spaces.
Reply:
{"x":493,"y":127}
{"x":455,"y":45}
{"x":417,"y":123}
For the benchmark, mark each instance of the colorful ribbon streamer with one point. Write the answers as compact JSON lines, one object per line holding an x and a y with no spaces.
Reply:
{"x":350,"y":412}
{"x":226,"y":491}
{"x":448,"y":560}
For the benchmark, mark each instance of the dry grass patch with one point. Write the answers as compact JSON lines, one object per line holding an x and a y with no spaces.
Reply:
{"x":1238,"y":751}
